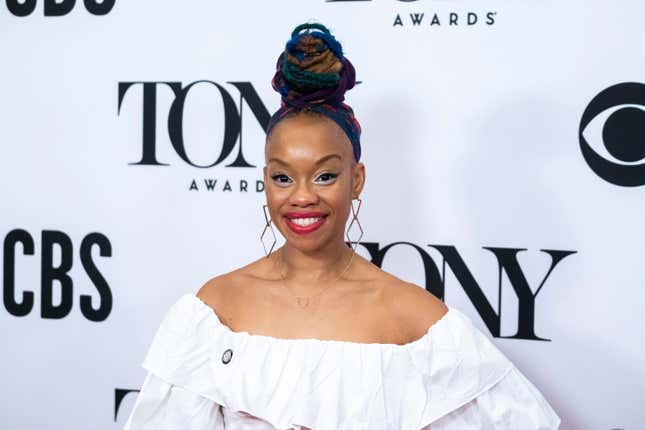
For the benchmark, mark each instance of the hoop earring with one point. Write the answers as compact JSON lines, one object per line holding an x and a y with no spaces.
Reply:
{"x":358,"y":223}
{"x":267,"y":227}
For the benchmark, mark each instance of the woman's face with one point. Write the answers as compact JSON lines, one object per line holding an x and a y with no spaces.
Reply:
{"x":310,"y":178}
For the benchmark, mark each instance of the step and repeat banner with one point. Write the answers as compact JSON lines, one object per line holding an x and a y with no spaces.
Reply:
{"x":504,"y":144}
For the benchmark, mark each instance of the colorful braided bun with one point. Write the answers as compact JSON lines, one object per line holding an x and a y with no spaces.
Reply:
{"x":312,"y":74}
{"x":312,"y":68}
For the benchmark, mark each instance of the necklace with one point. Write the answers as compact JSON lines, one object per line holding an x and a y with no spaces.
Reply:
{"x":303,"y":301}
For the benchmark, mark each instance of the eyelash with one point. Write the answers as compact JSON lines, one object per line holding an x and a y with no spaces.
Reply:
{"x":279,"y":175}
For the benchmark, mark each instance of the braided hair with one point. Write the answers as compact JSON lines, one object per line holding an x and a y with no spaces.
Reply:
{"x":312,"y":75}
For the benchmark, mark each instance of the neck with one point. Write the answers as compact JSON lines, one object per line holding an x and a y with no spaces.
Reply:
{"x":316,"y":266}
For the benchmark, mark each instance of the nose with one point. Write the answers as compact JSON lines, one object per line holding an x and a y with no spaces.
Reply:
{"x":304,"y":194}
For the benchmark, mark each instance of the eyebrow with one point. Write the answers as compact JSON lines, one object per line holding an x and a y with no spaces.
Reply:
{"x":322,"y":160}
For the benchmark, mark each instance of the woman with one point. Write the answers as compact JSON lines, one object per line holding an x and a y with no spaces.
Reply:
{"x":312,"y":335}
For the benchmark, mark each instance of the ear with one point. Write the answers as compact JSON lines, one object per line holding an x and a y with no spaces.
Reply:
{"x":358,"y":179}
{"x":264,"y":175}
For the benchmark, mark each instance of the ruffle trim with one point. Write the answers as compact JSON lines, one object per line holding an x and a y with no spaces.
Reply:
{"x":326,"y":384}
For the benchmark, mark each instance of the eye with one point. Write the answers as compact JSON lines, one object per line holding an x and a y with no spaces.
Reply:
{"x":612,"y":134}
{"x":327,"y":176}
{"x":281,"y":178}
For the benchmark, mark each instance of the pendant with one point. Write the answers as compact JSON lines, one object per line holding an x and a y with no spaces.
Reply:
{"x":303,"y":302}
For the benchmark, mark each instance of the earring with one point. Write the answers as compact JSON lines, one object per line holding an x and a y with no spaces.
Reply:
{"x":267,"y":228}
{"x":355,"y":219}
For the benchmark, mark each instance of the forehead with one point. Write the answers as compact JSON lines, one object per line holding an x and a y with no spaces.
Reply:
{"x":307,"y":137}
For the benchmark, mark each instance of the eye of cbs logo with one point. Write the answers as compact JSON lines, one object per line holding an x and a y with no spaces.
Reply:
{"x":58,"y":7}
{"x":612,"y":134}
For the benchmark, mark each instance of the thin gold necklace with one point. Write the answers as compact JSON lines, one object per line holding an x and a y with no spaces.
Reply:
{"x":303,"y":301}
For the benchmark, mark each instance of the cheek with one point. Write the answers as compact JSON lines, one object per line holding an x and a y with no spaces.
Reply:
{"x":274,"y":193}
{"x":276,"y":198}
{"x":339,"y":202}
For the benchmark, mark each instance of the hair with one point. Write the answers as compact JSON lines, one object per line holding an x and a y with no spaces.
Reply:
{"x":312,"y":76}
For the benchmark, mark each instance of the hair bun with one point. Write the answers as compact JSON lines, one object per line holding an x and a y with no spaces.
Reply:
{"x":312,"y":68}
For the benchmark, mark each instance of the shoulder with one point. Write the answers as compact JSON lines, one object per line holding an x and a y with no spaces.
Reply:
{"x":410,"y":309}
{"x":215,"y":288}
{"x":413,"y":308}
{"x":224,"y":292}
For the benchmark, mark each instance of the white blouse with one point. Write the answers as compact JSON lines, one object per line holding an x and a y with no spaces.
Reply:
{"x":202,"y":375}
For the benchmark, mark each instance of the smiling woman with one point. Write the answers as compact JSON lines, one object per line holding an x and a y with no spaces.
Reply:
{"x":310,"y":186}
{"x":312,"y":335}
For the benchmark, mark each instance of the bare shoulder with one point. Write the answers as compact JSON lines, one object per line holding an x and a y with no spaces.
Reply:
{"x":415,"y":308}
{"x":225,"y":290}
{"x":410,"y":306}
{"x":215,"y":289}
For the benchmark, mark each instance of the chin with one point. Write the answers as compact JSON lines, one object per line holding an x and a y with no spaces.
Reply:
{"x":307,"y":244}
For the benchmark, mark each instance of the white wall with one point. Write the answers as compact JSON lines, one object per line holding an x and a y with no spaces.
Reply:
{"x":470,"y":139}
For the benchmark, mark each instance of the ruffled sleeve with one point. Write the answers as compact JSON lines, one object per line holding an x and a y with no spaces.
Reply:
{"x":164,"y":404}
{"x":161,"y":405}
{"x":455,"y":378}
{"x":512,"y":403}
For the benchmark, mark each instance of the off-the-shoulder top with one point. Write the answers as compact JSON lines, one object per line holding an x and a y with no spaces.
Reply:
{"x":202,"y":375}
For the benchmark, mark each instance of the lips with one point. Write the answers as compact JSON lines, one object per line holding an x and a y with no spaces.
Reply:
{"x":304,"y":222}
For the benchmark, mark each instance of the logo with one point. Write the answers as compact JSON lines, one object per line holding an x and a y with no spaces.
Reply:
{"x":436,"y":18}
{"x":56,"y":284}
{"x":230,"y":147}
{"x":58,"y":7}
{"x":612,"y":134}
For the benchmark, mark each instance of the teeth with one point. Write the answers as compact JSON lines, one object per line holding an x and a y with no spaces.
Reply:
{"x":304,"y":221}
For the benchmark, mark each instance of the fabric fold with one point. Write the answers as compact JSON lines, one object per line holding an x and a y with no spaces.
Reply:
{"x":329,"y":384}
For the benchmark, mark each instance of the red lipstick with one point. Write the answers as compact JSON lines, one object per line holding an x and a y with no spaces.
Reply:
{"x":303,"y":229}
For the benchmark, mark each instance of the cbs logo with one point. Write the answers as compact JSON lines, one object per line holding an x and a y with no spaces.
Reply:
{"x":612,"y":134}
{"x":58,"y":8}
{"x":58,"y":289}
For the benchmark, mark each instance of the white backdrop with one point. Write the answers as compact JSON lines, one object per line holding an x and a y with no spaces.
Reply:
{"x":472,"y":152}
